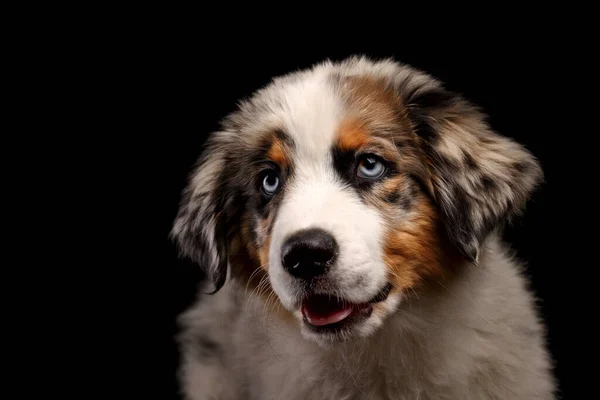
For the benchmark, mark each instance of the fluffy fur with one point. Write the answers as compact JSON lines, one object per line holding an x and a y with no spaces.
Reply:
{"x":459,"y":321}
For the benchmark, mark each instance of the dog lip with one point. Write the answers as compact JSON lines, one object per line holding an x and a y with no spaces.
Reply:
{"x":323,"y":312}
{"x":378,"y":298}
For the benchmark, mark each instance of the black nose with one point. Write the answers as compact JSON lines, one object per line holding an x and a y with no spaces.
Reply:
{"x":309,"y":253}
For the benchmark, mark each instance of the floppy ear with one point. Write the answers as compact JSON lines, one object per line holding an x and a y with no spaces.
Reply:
{"x":199,"y":229}
{"x":480,"y":179}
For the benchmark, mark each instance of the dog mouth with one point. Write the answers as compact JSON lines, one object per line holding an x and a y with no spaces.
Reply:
{"x":325,"y":313}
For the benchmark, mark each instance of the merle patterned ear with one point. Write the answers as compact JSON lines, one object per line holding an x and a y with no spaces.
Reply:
{"x":199,"y":229}
{"x":480,"y":179}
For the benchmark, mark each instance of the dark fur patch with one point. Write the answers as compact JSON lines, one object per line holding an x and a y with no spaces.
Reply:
{"x":521,"y":167}
{"x":470,"y":161}
{"x":429,"y":99}
{"x":206,"y":348}
{"x":488,"y":184}
{"x":393,"y":197}
{"x":345,"y":165}
{"x":344,"y":162}
{"x":420,"y":104}
{"x":410,"y":191}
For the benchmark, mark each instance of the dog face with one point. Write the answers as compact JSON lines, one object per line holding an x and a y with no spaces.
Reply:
{"x":347,"y":187}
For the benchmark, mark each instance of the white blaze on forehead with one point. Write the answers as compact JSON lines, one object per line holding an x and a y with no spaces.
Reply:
{"x":311,"y":113}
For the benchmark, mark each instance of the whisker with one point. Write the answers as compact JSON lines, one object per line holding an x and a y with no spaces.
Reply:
{"x":252,"y":275}
{"x":257,"y":291}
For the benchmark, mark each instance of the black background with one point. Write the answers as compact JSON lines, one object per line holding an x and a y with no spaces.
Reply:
{"x":176,"y":81}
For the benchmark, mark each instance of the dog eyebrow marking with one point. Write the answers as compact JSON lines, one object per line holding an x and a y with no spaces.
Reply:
{"x":351,"y":135}
{"x":277,"y":154}
{"x":278,"y":151}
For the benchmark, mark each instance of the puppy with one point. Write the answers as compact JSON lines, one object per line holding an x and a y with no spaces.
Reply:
{"x":348,"y":218}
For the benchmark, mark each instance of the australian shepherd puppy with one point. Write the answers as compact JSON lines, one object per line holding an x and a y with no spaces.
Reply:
{"x":348,"y":218}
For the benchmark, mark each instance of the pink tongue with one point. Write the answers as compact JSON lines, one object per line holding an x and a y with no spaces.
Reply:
{"x":326,"y":315}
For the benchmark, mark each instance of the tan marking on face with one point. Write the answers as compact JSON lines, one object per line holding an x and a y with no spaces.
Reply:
{"x":264,"y":240}
{"x":249,"y":263}
{"x":243,"y":250}
{"x":277,"y":153}
{"x":416,"y":251}
{"x":256,"y":274}
{"x":264,"y":254}
{"x":373,"y":113}
{"x":352,"y":135}
{"x":391,"y":185}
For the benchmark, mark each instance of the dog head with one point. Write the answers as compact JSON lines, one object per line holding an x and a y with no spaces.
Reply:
{"x":345,"y":187}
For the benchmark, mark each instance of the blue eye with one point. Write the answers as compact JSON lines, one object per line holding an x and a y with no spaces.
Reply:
{"x":270,"y":183}
{"x":370,"y":167}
